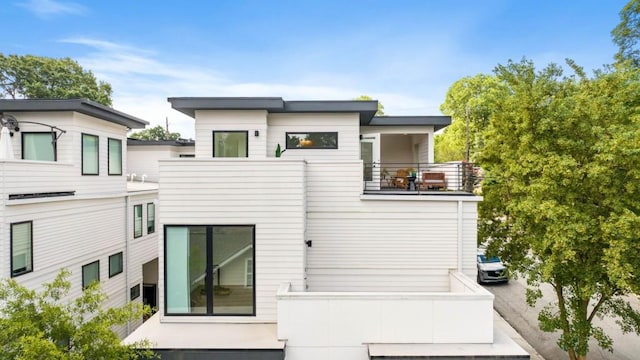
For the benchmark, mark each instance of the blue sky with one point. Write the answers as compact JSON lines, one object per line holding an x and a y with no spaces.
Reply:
{"x":404,"y":53}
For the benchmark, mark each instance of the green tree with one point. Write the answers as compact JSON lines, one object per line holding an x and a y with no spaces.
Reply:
{"x":469,"y":102}
{"x":368,"y":98}
{"x":43,"y":325}
{"x":627,"y":33}
{"x":562,"y":194}
{"x":155,"y":133}
{"x":36,"y":77}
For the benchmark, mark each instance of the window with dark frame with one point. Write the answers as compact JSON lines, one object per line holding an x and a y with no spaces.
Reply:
{"x":312,"y":140}
{"x":206,"y":270}
{"x":21,"y":248}
{"x":151,"y":218}
{"x":233,"y":144}
{"x":90,"y":155}
{"x":115,"y":264}
{"x":115,"y":156}
{"x":39,"y":146}
{"x":134,"y":292}
{"x":90,"y":273}
{"x":137,"y":220}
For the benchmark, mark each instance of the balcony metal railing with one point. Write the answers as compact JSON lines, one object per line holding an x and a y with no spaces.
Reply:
{"x":420,"y":177}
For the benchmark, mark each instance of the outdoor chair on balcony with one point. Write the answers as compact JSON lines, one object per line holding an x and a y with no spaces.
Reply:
{"x":433,"y":180}
{"x":400,"y":181}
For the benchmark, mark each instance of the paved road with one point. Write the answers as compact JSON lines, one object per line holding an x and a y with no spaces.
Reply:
{"x":510,"y":303}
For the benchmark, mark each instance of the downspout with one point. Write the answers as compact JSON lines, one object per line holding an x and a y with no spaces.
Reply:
{"x":460,"y":237}
{"x":126,"y":256}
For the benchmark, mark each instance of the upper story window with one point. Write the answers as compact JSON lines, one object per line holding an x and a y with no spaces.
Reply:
{"x":115,"y":264}
{"x":90,"y":151}
{"x":312,"y":140}
{"x":39,"y":146}
{"x":21,"y":248}
{"x":90,"y":273}
{"x":230,"y":144}
{"x":151,"y":218}
{"x":115,"y":156}
{"x":137,"y":221}
{"x":210,"y":270}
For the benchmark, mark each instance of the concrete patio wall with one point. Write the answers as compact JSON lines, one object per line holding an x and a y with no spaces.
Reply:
{"x":339,"y":325}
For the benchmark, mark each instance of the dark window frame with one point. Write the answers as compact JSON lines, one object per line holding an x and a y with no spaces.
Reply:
{"x":151,"y":230}
{"x":213,"y":141}
{"x":134,"y":292}
{"x":97,"y":154}
{"x":112,"y":274}
{"x":134,"y":221}
{"x":15,"y":274}
{"x":53,"y":140}
{"x":109,"y":157}
{"x":286,"y":141}
{"x":84,"y":286}
{"x":209,"y":274}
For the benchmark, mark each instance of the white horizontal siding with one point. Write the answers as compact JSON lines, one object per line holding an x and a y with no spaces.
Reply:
{"x":71,"y":233}
{"x":231,"y":120}
{"x":69,"y":153}
{"x":346,"y":125}
{"x":27,"y":177}
{"x":376,"y":245}
{"x":269,"y":194}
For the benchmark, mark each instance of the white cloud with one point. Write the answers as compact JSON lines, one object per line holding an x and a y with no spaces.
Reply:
{"x":50,"y":8}
{"x":142,"y":83}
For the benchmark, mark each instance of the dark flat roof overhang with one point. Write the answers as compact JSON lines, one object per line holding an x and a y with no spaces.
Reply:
{"x":188,"y":105}
{"x":82,"y":106}
{"x":438,"y":121}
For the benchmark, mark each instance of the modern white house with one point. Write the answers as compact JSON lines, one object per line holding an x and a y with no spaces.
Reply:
{"x":317,"y":230}
{"x":67,"y":202}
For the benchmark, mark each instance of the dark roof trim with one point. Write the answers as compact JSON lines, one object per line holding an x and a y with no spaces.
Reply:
{"x":179,"y":142}
{"x":438,"y":122}
{"x":82,"y":106}
{"x":188,"y":105}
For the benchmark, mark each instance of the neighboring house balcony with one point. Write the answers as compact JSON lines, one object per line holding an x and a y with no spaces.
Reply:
{"x":420,"y":178}
{"x":24,"y":179}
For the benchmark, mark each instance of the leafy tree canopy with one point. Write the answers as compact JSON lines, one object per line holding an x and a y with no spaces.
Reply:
{"x":562,"y":193}
{"x":469,"y":102}
{"x":36,"y":77}
{"x":368,"y":98}
{"x":627,"y":34}
{"x":155,"y":133}
{"x":43,"y":325}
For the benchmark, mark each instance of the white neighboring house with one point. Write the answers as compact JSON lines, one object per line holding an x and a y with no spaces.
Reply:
{"x":334,"y":250}
{"x":66,"y":202}
{"x":143,"y":156}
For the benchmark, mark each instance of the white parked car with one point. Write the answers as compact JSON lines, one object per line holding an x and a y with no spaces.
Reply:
{"x":490,"y":269}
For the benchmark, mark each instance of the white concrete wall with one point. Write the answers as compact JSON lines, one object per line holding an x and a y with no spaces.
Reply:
{"x":233,"y":120}
{"x":346,"y":125}
{"x":267,"y":193}
{"x":382,"y":242}
{"x":339,"y":325}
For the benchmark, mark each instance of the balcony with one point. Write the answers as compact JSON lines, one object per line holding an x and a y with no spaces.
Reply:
{"x":350,"y":321}
{"x":421,"y":178}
